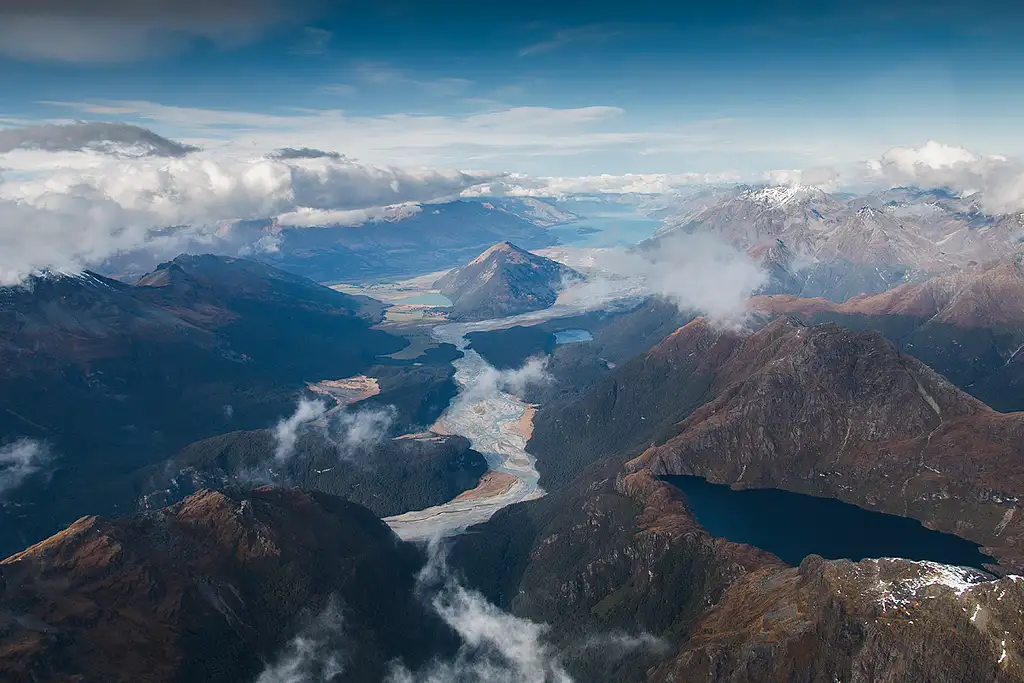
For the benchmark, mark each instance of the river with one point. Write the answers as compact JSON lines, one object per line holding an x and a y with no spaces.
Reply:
{"x":493,"y":422}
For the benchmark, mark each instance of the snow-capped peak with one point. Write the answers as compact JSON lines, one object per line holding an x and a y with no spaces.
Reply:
{"x":779,"y":195}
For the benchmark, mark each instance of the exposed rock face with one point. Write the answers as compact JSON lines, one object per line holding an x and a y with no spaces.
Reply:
{"x":831,"y":412}
{"x":209,"y":590}
{"x":502,"y":281}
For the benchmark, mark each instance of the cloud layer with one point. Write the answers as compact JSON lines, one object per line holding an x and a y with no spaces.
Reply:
{"x":66,"y":210}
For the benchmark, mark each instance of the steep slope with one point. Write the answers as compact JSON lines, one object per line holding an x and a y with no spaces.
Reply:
{"x":850,"y":246}
{"x":502,"y":281}
{"x":114,"y":377}
{"x":210,"y":590}
{"x":967,"y":324}
{"x":846,"y":415}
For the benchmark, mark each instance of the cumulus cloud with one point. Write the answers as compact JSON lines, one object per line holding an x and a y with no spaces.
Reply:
{"x":698,"y":272}
{"x":315,"y":655}
{"x":117,"y":139}
{"x":286,"y":432}
{"x":69,"y":210}
{"x":20,"y":460}
{"x":995,"y":181}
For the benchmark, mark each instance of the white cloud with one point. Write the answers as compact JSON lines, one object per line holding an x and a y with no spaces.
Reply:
{"x":286,"y":432}
{"x":20,"y":460}
{"x":515,"y":381}
{"x":307,"y":218}
{"x":316,"y":655}
{"x":699,"y":272}
{"x":70,"y":210}
{"x":497,"y":647}
{"x":995,"y":180}
{"x":362,"y":428}
{"x":348,"y":431}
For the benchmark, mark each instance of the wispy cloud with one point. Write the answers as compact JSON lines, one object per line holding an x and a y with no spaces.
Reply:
{"x":313,"y":41}
{"x":19,"y":461}
{"x":569,"y":36}
{"x":382,"y":74}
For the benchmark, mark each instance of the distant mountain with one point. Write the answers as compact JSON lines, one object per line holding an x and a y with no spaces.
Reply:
{"x":849,"y":246}
{"x":212,"y":590}
{"x":531,"y":209}
{"x":408,"y":240}
{"x":113,"y":377}
{"x":967,"y":324}
{"x":502,"y":281}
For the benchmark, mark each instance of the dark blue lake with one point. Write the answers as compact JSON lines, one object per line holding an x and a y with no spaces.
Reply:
{"x":793,"y":526}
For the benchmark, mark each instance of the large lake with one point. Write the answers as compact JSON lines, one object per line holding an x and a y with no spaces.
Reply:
{"x":793,"y":526}
{"x":604,"y":225}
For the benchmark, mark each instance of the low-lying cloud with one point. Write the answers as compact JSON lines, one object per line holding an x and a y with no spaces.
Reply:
{"x":286,"y":432}
{"x":349,"y":431}
{"x":516,"y":381}
{"x":699,"y":273}
{"x":316,"y":655}
{"x":498,"y":647}
{"x":19,"y":461}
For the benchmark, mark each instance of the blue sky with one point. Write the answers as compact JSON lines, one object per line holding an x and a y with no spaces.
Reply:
{"x":605,"y":87}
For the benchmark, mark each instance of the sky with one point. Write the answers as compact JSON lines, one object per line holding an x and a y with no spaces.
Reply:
{"x":120,"y":119}
{"x":532,"y":87}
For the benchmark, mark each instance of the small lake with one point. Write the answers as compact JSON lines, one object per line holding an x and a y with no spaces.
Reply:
{"x":572,"y":336}
{"x":793,"y":526}
{"x":426,"y":299}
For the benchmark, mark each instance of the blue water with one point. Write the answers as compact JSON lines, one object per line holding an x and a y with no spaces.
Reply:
{"x":426,"y":299}
{"x":793,"y":526}
{"x":605,"y":226}
{"x":572,"y":336}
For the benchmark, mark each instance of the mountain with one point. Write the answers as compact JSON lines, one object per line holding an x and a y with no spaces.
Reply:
{"x":213,"y":589}
{"x":538,"y":212}
{"x":112,"y":377}
{"x":355,"y":246}
{"x":839,"y":414}
{"x":968,"y":324}
{"x":502,"y":281}
{"x":849,"y":246}
{"x":388,"y":475}
{"x":824,"y":410}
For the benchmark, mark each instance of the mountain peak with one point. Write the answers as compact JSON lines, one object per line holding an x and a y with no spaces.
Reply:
{"x":504,"y":280}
